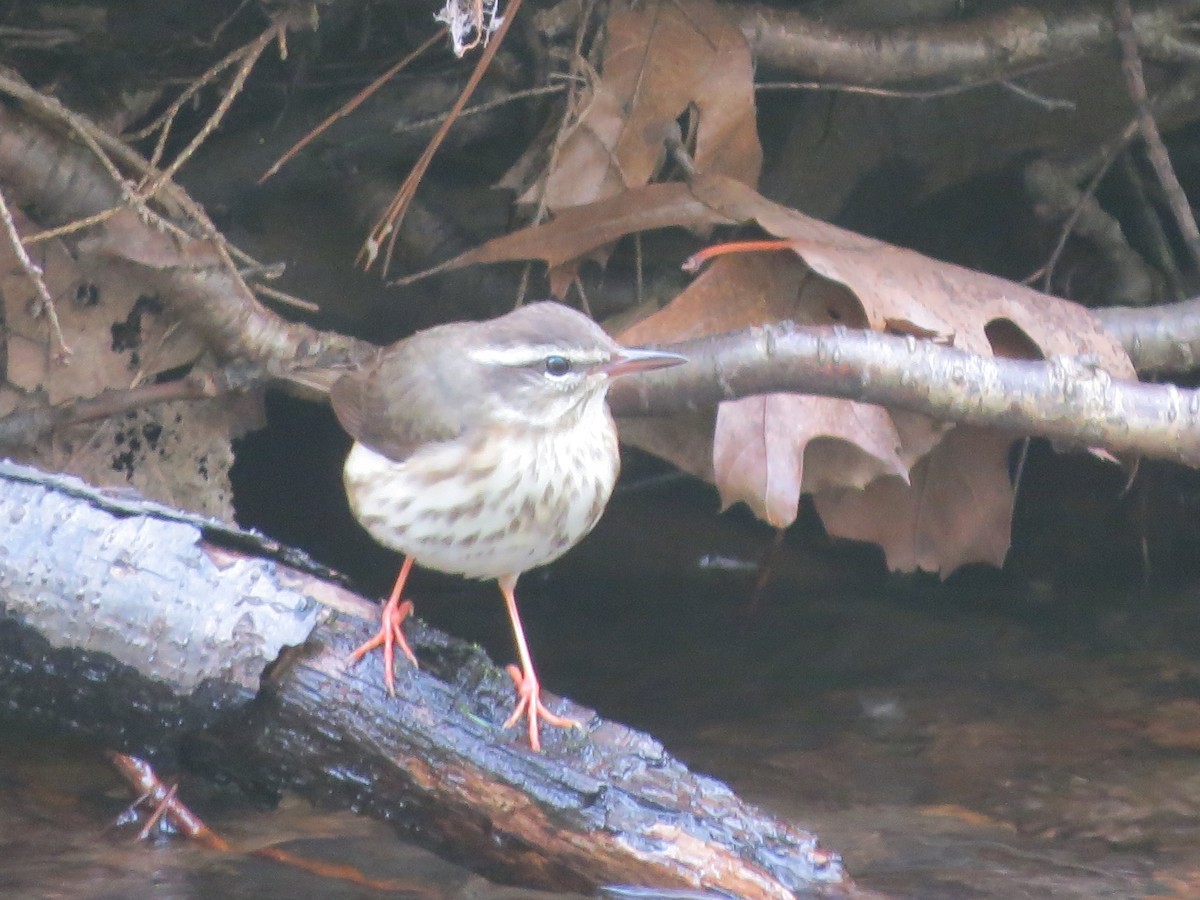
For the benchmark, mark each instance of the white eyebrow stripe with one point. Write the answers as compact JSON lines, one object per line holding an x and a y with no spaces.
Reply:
{"x":530,"y":355}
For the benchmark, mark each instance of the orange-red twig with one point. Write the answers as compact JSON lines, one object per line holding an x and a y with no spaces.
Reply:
{"x":342,"y":872}
{"x":696,"y":260}
{"x":141,"y":775}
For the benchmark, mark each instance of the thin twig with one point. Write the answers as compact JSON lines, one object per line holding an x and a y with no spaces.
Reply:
{"x":523,"y":283}
{"x":387,"y":228}
{"x":429,"y":121}
{"x":1135,"y":80}
{"x":1051,"y":104}
{"x":639,"y":275}
{"x":225,"y":23}
{"x":26,"y":426}
{"x":34,"y":273}
{"x":1178,"y":95}
{"x":346,"y":108}
{"x":164,"y":121}
{"x":1110,"y":156}
{"x":571,"y":113}
{"x":249,"y":56}
{"x":284,"y":297}
{"x":832,"y":88}
{"x":678,"y":151}
{"x":1005,"y":81}
{"x":41,"y":38}
{"x":583,"y":299}
{"x":1151,"y":226}
{"x":159,"y":811}
{"x":73,"y":226}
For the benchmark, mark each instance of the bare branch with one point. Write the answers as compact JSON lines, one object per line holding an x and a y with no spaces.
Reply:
{"x":25,"y":427}
{"x":962,"y":50}
{"x":1064,"y":398}
{"x":1131,"y":63}
{"x":34,"y":273}
{"x":1158,"y":338}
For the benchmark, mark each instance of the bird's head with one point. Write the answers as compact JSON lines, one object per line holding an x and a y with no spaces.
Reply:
{"x":545,"y":363}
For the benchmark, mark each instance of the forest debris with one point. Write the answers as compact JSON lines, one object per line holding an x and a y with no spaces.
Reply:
{"x":663,"y":61}
{"x":122,"y":340}
{"x":767,"y":451}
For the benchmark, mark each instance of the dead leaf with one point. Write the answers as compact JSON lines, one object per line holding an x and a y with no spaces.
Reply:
{"x":114,"y":331}
{"x":894,"y":283}
{"x":761,"y":446}
{"x":176,"y":453}
{"x":576,"y":233}
{"x":767,"y":450}
{"x":956,"y":509}
{"x":661,"y":58}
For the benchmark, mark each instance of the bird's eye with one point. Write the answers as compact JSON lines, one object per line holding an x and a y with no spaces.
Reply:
{"x":557,"y":366}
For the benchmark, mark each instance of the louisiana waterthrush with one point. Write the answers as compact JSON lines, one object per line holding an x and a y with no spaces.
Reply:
{"x":485,"y":449}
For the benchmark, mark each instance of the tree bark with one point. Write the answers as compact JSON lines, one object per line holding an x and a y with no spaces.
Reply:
{"x":150,"y":629}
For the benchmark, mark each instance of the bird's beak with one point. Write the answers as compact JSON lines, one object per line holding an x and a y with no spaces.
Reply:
{"x":628,"y":361}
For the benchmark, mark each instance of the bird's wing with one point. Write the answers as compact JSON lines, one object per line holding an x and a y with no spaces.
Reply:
{"x":401,"y":399}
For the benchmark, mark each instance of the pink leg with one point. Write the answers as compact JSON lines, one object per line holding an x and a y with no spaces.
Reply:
{"x":529,"y":703}
{"x":390,"y":633}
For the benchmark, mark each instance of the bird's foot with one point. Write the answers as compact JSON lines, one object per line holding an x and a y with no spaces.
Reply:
{"x":529,"y":704}
{"x":390,"y":635}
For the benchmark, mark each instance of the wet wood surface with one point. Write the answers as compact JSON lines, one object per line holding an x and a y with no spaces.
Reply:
{"x":159,"y":633}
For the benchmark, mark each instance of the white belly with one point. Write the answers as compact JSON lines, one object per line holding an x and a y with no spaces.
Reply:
{"x":504,"y":514}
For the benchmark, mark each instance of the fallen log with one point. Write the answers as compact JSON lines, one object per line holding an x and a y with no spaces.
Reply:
{"x":156,"y":631}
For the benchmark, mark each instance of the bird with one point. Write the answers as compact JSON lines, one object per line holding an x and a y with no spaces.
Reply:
{"x":485,"y":449}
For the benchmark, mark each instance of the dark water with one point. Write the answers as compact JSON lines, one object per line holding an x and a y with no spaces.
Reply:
{"x":57,"y":840}
{"x":989,"y":738}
